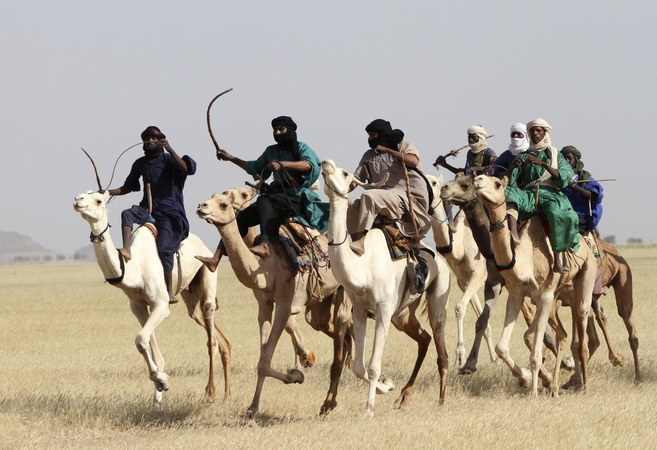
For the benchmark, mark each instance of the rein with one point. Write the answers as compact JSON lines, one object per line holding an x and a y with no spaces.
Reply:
{"x":95,"y":238}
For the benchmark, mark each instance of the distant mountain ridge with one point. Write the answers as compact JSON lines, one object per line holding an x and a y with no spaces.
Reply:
{"x":13,"y":242}
{"x":16,"y":248}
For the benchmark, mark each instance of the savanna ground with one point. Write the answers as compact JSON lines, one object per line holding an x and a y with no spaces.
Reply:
{"x":70,"y":377}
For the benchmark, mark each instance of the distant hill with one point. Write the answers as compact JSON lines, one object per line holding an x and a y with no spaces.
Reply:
{"x":16,"y":248}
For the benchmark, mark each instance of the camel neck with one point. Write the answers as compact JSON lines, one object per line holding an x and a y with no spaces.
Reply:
{"x":245,"y":264}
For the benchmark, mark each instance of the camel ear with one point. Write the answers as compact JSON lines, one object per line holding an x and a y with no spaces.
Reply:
{"x":439,"y":179}
{"x":106,"y":195}
{"x":505,"y":181}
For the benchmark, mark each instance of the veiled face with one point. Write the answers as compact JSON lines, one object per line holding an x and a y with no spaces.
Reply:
{"x":537,"y":134}
{"x":572,"y":160}
{"x":473,"y":138}
{"x":517,"y":134}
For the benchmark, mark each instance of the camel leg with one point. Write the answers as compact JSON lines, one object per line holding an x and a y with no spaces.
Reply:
{"x":383,"y":316}
{"x":437,"y":295}
{"x":304,"y":357}
{"x":580,"y":312}
{"x":482,"y":329}
{"x":625,"y":303}
{"x":513,"y":306}
{"x":537,"y":328}
{"x":360,"y":334}
{"x":147,"y":345}
{"x":341,"y":339}
{"x":561,"y":339}
{"x":407,"y":322}
{"x":270,"y":334}
{"x":203,"y":314}
{"x":469,"y":297}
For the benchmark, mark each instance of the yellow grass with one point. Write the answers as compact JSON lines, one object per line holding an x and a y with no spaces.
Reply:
{"x":70,"y":377}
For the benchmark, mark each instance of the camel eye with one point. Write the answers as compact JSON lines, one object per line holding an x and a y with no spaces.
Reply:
{"x":223,"y":206}
{"x":99,"y":202}
{"x":345,"y":174}
{"x":244,"y":196}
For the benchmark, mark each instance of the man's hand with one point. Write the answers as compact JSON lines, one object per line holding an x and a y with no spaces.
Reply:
{"x":165,"y":145}
{"x":440,"y":161}
{"x":533,"y":160}
{"x":275,"y":166}
{"x":223,"y":155}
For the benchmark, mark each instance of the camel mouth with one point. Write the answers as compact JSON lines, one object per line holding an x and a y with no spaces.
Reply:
{"x":328,"y":167}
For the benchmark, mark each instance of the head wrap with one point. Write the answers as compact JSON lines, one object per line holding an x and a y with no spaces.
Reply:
{"x":152,"y":131}
{"x":481,"y":145}
{"x":545,"y":144}
{"x":386,"y":135}
{"x":287,"y":141}
{"x":284,"y":121}
{"x":518,"y":145}
{"x":579,"y":165}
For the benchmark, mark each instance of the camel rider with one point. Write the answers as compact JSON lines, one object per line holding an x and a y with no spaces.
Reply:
{"x":166,"y":173}
{"x":519,"y":143}
{"x":586,"y":198}
{"x":535,"y":180}
{"x":387,"y":151}
{"x":480,"y":157}
{"x":295,"y":167}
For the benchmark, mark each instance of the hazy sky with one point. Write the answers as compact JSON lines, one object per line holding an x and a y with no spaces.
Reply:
{"x":95,"y":74}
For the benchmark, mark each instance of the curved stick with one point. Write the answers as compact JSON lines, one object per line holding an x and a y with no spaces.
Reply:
{"x":214,"y":141}
{"x":100,"y":188}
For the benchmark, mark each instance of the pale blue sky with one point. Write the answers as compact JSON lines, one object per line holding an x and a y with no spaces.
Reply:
{"x":95,"y":74}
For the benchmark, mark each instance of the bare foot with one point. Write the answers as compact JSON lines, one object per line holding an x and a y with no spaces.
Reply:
{"x":558,"y":266}
{"x":358,"y":247}
{"x":172,"y":298}
{"x":261,"y":250}
{"x":125,"y":252}
{"x":210,"y":263}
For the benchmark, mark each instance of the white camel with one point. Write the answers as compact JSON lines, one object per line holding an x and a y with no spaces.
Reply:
{"x":377,"y":283}
{"x":468,"y":265}
{"x":528,"y":272}
{"x":142,"y":281}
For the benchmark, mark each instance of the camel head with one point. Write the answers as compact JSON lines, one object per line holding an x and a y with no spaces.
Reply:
{"x":336,"y":180}
{"x":240,"y":197}
{"x":218,"y":210}
{"x":92,"y":206}
{"x":459,"y":191}
{"x":435,"y":183}
{"x":490,"y":189}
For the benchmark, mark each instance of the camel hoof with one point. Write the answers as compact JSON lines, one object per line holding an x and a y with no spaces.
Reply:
{"x":307,"y":361}
{"x":568,"y":363}
{"x":403,"y":401}
{"x":250,"y":414}
{"x":617,"y":360}
{"x":465,"y":370}
{"x":296,"y":376}
{"x":327,"y":407}
{"x":574,"y":384}
{"x":385,"y":385}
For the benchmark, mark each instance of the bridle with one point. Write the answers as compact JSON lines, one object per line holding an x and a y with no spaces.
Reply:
{"x":95,"y":238}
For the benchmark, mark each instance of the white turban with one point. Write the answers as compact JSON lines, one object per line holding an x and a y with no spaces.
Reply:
{"x":518,"y":145}
{"x":480,"y":146}
{"x":544,"y":144}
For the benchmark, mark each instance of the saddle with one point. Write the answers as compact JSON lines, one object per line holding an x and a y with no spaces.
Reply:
{"x":300,"y":245}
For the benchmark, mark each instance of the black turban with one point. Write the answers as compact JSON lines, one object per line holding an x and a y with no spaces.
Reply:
{"x":386,"y":135}
{"x":152,"y":131}
{"x":287,"y":141}
{"x":284,"y":121}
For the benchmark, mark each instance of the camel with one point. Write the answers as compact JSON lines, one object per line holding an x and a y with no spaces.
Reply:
{"x":142,"y":280}
{"x":527,"y":270}
{"x":616,"y":273}
{"x":274,"y":282}
{"x":468,"y":265}
{"x":376,"y":282}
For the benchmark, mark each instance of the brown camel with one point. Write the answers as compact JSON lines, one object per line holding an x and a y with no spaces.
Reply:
{"x":468,"y":265}
{"x":616,"y":273}
{"x":527,"y":270}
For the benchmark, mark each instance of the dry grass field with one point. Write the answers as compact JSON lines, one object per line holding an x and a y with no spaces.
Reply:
{"x":70,"y":377}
